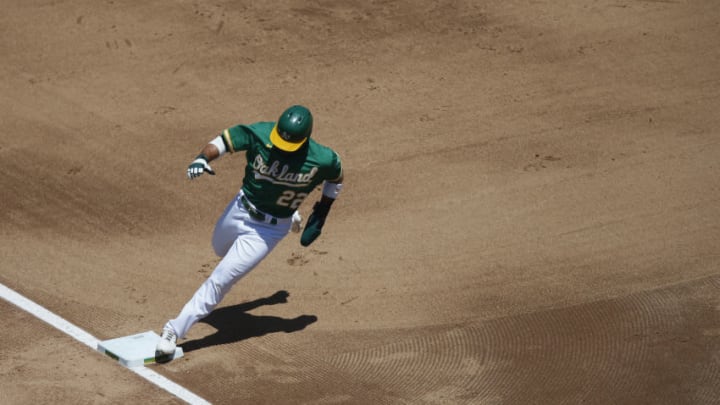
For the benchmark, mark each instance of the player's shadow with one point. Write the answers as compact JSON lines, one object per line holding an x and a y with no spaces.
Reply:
{"x":234,"y":324}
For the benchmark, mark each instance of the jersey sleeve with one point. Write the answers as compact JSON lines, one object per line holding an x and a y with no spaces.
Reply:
{"x":335,"y":168}
{"x":237,"y":138}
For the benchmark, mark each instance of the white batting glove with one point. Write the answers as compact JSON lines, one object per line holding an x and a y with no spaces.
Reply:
{"x":296,"y":225}
{"x":199,"y":166}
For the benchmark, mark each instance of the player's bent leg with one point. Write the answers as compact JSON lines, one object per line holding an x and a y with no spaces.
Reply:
{"x":200,"y":305}
{"x":241,"y":258}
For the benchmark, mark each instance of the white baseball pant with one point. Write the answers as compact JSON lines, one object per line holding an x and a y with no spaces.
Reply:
{"x":242,"y":242}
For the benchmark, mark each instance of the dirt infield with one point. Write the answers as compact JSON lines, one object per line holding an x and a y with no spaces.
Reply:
{"x":531,"y":212}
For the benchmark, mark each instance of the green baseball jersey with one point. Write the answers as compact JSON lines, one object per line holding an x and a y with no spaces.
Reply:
{"x":277,"y":182}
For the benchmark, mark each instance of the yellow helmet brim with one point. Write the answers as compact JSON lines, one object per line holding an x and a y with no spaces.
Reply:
{"x":282,"y":144}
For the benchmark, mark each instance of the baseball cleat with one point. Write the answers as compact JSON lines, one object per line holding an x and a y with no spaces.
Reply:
{"x":168,"y":341}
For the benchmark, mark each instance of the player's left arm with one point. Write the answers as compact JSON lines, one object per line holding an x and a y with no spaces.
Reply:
{"x":316,"y":221}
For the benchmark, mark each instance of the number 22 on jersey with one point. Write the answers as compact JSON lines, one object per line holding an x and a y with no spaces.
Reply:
{"x":291,"y":199}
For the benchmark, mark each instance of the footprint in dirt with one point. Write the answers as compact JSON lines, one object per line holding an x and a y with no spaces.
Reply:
{"x":302,"y":258}
{"x":540,"y":163}
{"x":205,"y":269}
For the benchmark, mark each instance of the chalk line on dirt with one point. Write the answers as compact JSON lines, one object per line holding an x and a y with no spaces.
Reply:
{"x":89,"y":340}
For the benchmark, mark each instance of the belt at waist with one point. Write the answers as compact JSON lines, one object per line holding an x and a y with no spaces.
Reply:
{"x":255,"y":213}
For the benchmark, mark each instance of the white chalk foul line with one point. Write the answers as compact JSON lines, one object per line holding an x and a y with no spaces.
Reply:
{"x":89,"y":340}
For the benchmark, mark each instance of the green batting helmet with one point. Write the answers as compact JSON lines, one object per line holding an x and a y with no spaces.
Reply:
{"x":292,"y":129}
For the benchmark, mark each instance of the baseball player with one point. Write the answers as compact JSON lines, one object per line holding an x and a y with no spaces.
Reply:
{"x":284,"y":165}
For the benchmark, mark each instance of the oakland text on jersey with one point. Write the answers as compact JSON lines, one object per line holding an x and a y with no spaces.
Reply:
{"x":281,"y":175}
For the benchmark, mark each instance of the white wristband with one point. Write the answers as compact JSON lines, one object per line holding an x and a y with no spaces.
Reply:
{"x":332,"y":190}
{"x":219,"y":144}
